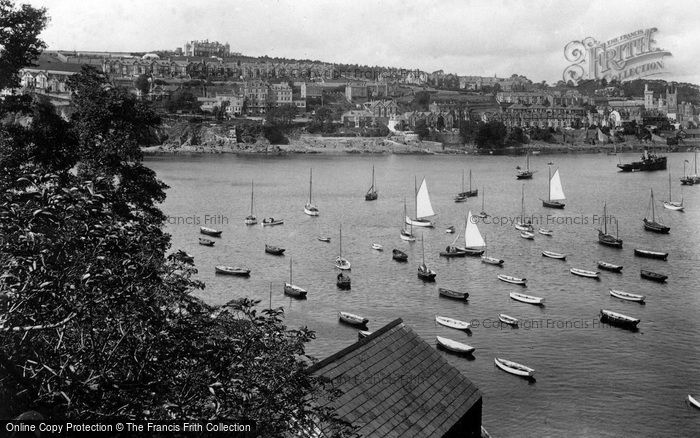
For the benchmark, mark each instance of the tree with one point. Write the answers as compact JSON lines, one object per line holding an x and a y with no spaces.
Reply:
{"x":282,"y":115}
{"x":421,"y":128}
{"x":19,"y":39}
{"x":143,"y":85}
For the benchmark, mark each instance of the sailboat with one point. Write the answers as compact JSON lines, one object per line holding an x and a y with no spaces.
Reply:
{"x":463,"y":195}
{"x":608,"y":239}
{"x":672,"y":205}
{"x":424,"y":272}
{"x":424,"y":209}
{"x":652,"y":225}
{"x":687,"y":180}
{"x":483,"y":214}
{"x":340,"y":261}
{"x":695,"y":176}
{"x":556,"y":192}
{"x":406,"y":234}
{"x":292,"y":290}
{"x":310,"y":208}
{"x":527,"y":173}
{"x":523,"y":223}
{"x":490,"y":260}
{"x":251,"y":219}
{"x":452,"y":250}
{"x":473,"y":242}
{"x":372,"y":194}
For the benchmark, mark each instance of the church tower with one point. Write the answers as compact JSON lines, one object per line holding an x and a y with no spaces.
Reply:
{"x":648,"y":98}
{"x":672,"y":100}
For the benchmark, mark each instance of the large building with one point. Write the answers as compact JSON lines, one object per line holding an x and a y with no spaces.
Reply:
{"x":206,"y":48}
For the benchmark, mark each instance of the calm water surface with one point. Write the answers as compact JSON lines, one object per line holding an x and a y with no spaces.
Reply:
{"x":592,"y":380}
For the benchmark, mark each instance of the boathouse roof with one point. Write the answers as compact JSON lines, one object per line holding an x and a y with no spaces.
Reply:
{"x":394,"y":384}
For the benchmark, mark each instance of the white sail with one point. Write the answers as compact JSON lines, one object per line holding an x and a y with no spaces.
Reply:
{"x":472,"y":237}
{"x":423,"y":206}
{"x":556,"y":192}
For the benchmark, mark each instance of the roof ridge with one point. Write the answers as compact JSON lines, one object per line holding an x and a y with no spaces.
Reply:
{"x":317,"y":366}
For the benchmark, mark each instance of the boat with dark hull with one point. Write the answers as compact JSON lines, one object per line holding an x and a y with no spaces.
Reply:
{"x":609,"y":266}
{"x":343,"y":281}
{"x":652,"y":225}
{"x":424,"y":272}
{"x":525,"y":173}
{"x":618,"y":319}
{"x":399,"y":255}
{"x":456,"y":295}
{"x":608,"y":239}
{"x":648,"y":162}
{"x":274,"y":250}
{"x":555,"y":195}
{"x":650,"y":254}
{"x":210,"y":231}
{"x":372,"y":193}
{"x":352,"y":319}
{"x":464,"y":194}
{"x":206,"y":242}
{"x":653,"y":276}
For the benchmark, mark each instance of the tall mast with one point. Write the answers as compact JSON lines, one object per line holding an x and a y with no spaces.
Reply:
{"x":290,"y":270}
{"x":415,"y":194}
{"x":653,"y":216}
{"x":251,"y":197}
{"x":482,"y":199}
{"x":341,"y":240}
{"x":549,"y":184}
{"x":522,"y":205}
{"x":373,"y":176}
{"x":470,"y":180}
{"x":462,"y":181}
{"x":311,"y":177}
{"x":605,"y":218}
{"x":527,"y":159}
{"x":422,"y":248}
{"x":669,"y":185}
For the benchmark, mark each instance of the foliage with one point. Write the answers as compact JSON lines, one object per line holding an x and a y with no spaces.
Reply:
{"x":421,"y":101}
{"x":282,"y":115}
{"x":19,"y":39}
{"x":183,"y":101}
{"x":142,"y":84}
{"x":491,"y":135}
{"x":273,"y":133}
{"x":322,"y":121}
{"x":542,"y":134}
{"x":421,"y":129}
{"x":516,"y":136}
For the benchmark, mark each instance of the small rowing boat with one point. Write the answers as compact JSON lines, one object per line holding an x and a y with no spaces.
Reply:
{"x":270,"y":221}
{"x":609,"y":266}
{"x":554,"y":255}
{"x":627,"y":296}
{"x":210,"y":231}
{"x":363,"y":334}
{"x":454,"y":346}
{"x":232,"y":270}
{"x":206,"y":242}
{"x":449,"y":293}
{"x":399,"y":255}
{"x":514,"y":367}
{"x":452,"y":323}
{"x":492,"y":260}
{"x":352,"y":319}
{"x":505,"y":319}
{"x":694,"y":401}
{"x":584,"y":273}
{"x":274,"y":250}
{"x":324,"y":239}
{"x":545,"y":232}
{"x":377,"y":247}
{"x":529,"y":299}
{"x":653,"y":276}
{"x":510,"y":279}
{"x":527,"y":235}
{"x":294,"y":291}
{"x":650,"y":254}
{"x":618,"y":318}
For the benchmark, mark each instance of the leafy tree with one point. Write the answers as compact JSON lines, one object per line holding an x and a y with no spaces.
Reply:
{"x":143,"y":85}
{"x":283,"y":115}
{"x":421,"y":128}
{"x":421,"y":101}
{"x":19,"y":39}
{"x":491,"y":135}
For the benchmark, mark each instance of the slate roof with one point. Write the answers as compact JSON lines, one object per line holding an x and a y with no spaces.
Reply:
{"x":394,"y":384}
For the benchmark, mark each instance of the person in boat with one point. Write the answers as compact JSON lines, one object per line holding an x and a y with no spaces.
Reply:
{"x":340,"y":276}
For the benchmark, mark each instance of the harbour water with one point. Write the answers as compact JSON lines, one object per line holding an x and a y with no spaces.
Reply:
{"x":591,"y":379}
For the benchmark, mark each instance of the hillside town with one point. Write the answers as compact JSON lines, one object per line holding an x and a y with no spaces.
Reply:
{"x":204,"y":79}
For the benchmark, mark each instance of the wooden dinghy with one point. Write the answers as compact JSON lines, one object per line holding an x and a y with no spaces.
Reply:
{"x":399,"y":255}
{"x":584,"y":273}
{"x":377,"y":247}
{"x":609,"y":266}
{"x":653,"y":276}
{"x":274,"y":250}
{"x":232,"y":270}
{"x":619,"y":319}
{"x":554,"y":255}
{"x":527,"y":235}
{"x":352,"y":319}
{"x":491,"y":260}
{"x":452,"y":323}
{"x":363,"y":334}
{"x":529,"y":299}
{"x":514,"y":280}
{"x":627,"y":296}
{"x":650,"y":254}
{"x":505,"y":319}
{"x":545,"y":232}
{"x":514,"y":368}
{"x":270,"y":221}
{"x":449,"y":293}
{"x":206,"y":242}
{"x":210,"y":231}
{"x":324,"y":239}
{"x":454,"y":346}
{"x":693,"y":401}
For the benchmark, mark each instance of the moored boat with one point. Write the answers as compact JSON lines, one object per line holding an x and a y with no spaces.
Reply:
{"x":424,"y":208}
{"x":449,"y":293}
{"x":324,"y":239}
{"x":372,"y":193}
{"x":670,"y":204}
{"x":292,"y":290}
{"x":310,"y":208}
{"x":464,"y":194}
{"x":271,"y":221}
{"x":453,"y":251}
{"x":608,"y":239}
{"x":352,"y":319}
{"x":505,"y":319}
{"x":452,"y":323}
{"x":650,"y":254}
{"x":545,"y":231}
{"x":514,"y":368}
{"x":652,"y":225}
{"x":251,"y":219}
{"x":510,"y":279}
{"x":653,"y":276}
{"x":454,"y":346}
{"x":274,"y":250}
{"x":340,"y":261}
{"x":556,"y":192}
{"x":210,"y":231}
{"x":363,"y":334}
{"x":492,"y":260}
{"x":648,"y":162}
{"x":377,"y":247}
{"x":343,"y":281}
{"x":618,"y":318}
{"x":474,"y":243}
{"x":609,"y":266}
{"x":232,"y":270}
{"x":424,"y":272}
{"x":584,"y":273}
{"x":523,"y":223}
{"x":554,"y":255}
{"x":695,"y":402}
{"x":627,"y":296}
{"x":527,"y":235}
{"x":206,"y":242}
{"x":525,"y":173}
{"x":399,"y":255}
{"x":529,"y":299}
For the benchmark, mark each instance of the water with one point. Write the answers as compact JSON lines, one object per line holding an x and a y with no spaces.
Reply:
{"x":592,"y":380}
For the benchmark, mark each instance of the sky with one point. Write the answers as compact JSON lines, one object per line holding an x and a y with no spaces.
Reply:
{"x":466,"y":37}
